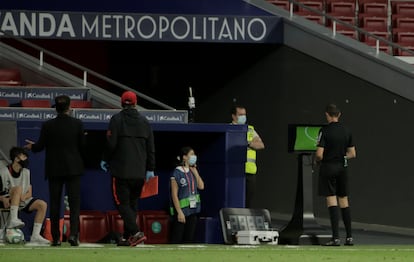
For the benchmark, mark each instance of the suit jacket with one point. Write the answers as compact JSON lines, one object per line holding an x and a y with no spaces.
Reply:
{"x":64,"y":140}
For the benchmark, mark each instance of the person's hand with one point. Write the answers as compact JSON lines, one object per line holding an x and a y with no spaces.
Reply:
{"x":181,"y":217}
{"x":104,"y":166}
{"x":149,"y":175}
{"x":6,"y":202}
{"x":29,"y":144}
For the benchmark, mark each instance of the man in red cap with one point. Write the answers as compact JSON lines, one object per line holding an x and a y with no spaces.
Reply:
{"x":130,"y":157}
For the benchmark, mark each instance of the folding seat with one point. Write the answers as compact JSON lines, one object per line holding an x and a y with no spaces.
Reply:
{"x":80,"y":104}
{"x":405,"y":37}
{"x":284,"y":4}
{"x":10,"y":77}
{"x":369,"y":40}
{"x":93,"y":226}
{"x":405,"y":23}
{"x":36,"y":103}
{"x":311,"y":4}
{"x":155,"y":225}
{"x":400,"y":52}
{"x":4,"y":103}
{"x":315,"y":18}
{"x":342,"y":8}
{"x":374,"y":23}
{"x":350,"y":20}
{"x":404,"y":8}
{"x":374,"y":9}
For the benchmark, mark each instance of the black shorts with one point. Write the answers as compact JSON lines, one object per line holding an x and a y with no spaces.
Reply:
{"x":25,"y":208}
{"x":333,"y":180}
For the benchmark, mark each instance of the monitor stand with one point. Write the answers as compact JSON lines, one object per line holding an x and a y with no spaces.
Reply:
{"x":303,"y":228}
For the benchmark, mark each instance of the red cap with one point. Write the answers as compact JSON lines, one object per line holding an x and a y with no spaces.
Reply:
{"x":129,"y":98}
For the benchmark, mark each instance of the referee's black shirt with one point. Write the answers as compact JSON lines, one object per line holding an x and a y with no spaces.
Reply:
{"x":335,"y":138}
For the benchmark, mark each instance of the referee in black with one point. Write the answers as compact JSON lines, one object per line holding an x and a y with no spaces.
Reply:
{"x":335,"y":146}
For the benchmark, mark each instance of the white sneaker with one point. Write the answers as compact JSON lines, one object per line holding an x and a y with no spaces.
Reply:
{"x":39,"y":240}
{"x":15,"y":223}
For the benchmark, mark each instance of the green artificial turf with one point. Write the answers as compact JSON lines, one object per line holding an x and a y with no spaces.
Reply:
{"x":210,"y":253}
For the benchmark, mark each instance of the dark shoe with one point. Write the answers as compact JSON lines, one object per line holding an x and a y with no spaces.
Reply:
{"x":136,"y":239}
{"x":73,"y":240}
{"x":122,"y":242}
{"x":349,"y":241}
{"x":56,"y":243}
{"x":334,"y":242}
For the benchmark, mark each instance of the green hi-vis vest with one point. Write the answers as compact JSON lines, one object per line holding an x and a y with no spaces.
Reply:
{"x":184,"y":203}
{"x":251,"y":167}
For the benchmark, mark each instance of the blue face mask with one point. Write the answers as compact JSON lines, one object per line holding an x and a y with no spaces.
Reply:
{"x":241,"y":119}
{"x":192,"y":160}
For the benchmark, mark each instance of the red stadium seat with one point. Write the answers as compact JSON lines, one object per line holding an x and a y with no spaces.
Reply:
{"x":375,"y":9}
{"x":347,"y":19}
{"x":377,"y":23}
{"x":4,"y":103}
{"x":155,"y":225}
{"x":10,"y":77}
{"x":36,"y":103}
{"x":400,"y":52}
{"x":80,"y":104}
{"x":404,"y":8}
{"x":311,"y":4}
{"x":313,"y":17}
{"x":93,"y":226}
{"x":371,"y":40}
{"x":116,"y":224}
{"x":405,"y":23}
{"x":284,"y":4}
{"x":343,"y":8}
{"x":405,"y":37}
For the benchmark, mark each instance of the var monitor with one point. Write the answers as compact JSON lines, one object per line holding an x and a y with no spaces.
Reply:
{"x":303,"y":138}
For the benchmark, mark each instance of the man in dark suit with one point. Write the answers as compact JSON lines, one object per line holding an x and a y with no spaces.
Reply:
{"x":63,"y":139}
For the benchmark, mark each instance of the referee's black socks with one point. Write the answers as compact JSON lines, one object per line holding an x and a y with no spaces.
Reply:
{"x":346,"y":217}
{"x":334,"y":216}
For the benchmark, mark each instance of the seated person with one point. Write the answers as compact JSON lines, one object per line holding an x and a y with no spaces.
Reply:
{"x":16,"y":191}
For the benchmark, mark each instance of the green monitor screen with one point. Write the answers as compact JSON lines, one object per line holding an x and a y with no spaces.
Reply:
{"x":303,"y":138}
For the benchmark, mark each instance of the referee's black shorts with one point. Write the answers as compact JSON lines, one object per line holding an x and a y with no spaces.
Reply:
{"x":333,"y":180}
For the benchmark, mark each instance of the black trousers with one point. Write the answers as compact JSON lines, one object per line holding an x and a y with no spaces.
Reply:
{"x":183,"y":232}
{"x":126,"y":193}
{"x":250,"y":189}
{"x":72,"y":184}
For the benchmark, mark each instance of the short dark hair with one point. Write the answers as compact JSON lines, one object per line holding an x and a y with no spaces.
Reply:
{"x":234,"y":109}
{"x":15,"y":151}
{"x":332,"y":110}
{"x":62,"y":103}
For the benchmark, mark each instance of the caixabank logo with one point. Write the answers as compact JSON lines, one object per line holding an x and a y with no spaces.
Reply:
{"x":7,"y":115}
{"x":38,"y":95}
{"x":10,"y":94}
{"x":49,"y":115}
{"x":90,"y":116}
{"x":29,"y":115}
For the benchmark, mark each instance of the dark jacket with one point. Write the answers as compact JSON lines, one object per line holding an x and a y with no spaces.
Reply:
{"x":64,"y":140}
{"x":130,"y":149}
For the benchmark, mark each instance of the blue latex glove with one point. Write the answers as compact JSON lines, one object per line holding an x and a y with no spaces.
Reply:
{"x":149,"y":175}
{"x":104,"y":166}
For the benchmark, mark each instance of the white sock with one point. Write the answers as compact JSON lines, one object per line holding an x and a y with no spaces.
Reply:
{"x":36,"y":229}
{"x":13,"y":212}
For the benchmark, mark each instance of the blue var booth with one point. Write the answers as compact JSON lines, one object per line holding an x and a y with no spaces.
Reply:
{"x":221,"y":151}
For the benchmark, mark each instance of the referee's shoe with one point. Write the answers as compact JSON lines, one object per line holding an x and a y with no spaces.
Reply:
{"x":334,"y":242}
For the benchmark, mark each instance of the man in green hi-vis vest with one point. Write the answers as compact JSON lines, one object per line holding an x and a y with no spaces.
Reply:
{"x":254,"y":143}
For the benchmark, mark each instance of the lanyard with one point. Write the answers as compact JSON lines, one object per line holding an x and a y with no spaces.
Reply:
{"x":192,"y":188}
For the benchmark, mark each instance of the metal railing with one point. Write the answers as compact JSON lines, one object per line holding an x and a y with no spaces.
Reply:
{"x":86,"y":72}
{"x":336,"y":21}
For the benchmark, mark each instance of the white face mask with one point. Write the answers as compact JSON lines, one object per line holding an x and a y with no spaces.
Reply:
{"x":192,"y":160}
{"x":241,"y":119}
